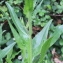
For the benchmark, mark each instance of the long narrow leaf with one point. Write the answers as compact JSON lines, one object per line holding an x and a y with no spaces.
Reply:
{"x":50,"y":42}
{"x":16,"y":21}
{"x":57,"y":33}
{"x":17,"y":37}
{"x":0,"y":33}
{"x":21,"y":37}
{"x":38,"y":8}
{"x":6,"y":50}
{"x":22,"y":43}
{"x":39,"y":39}
{"x":20,"y":28}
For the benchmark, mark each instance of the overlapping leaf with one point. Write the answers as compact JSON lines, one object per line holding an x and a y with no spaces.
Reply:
{"x":39,"y":39}
{"x":16,"y":36}
{"x":21,"y":29}
{"x":21,"y":37}
{"x":38,"y":7}
{"x":50,"y":42}
{"x":28,"y":7}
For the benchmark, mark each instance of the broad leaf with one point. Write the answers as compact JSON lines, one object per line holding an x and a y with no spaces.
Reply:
{"x":6,"y":50}
{"x":39,"y":39}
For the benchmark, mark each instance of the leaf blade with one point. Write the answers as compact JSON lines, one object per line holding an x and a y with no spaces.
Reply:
{"x":50,"y":42}
{"x":5,"y":51}
{"x":37,"y":43}
{"x":16,"y":21}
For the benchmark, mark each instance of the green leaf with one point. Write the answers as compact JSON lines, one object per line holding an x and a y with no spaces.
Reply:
{"x":44,"y":49}
{"x":50,"y":42}
{"x":14,"y":54}
{"x":20,"y":34}
{"x":61,"y":42}
{"x":38,"y":7}
{"x":6,"y":50}
{"x":8,"y":36}
{"x":21,"y":42}
{"x":2,"y":41}
{"x":21,"y":29}
{"x":62,"y":49}
{"x":0,"y":33}
{"x":28,"y":7}
{"x":17,"y":61}
{"x":57,"y":33}
{"x":17,"y":37}
{"x":9,"y":56}
{"x":23,"y":33}
{"x":1,"y":61}
{"x":34,"y":3}
{"x":39,"y":39}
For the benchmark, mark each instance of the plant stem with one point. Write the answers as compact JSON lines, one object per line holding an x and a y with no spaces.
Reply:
{"x":30,"y":40}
